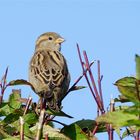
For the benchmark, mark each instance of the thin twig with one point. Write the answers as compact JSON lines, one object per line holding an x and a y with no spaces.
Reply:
{"x":110,"y":126}
{"x":3,"y":84}
{"x":94,"y":91}
{"x":46,"y":136}
{"x":93,"y":82}
{"x":27,"y":105}
{"x":21,"y":128}
{"x":75,"y":83}
{"x":138,"y":135}
{"x":95,"y":129}
{"x":99,"y":84}
{"x":40,"y":125}
{"x":97,"y":102}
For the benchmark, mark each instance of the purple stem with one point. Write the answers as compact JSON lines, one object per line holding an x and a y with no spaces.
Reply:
{"x":98,"y":97}
{"x":99,"y":84}
{"x":93,"y":82}
{"x":87,"y":77}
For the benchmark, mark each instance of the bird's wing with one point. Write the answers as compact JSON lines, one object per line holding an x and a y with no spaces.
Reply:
{"x":49,"y":67}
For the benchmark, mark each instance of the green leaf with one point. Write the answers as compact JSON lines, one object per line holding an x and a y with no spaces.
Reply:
{"x":3,"y":134}
{"x":27,"y":131}
{"x":76,"y":88}
{"x":74,"y":132}
{"x":129,"y":131}
{"x":30,"y":118}
{"x":89,"y":125}
{"x":137,"y":59}
{"x":13,"y":123}
{"x":20,"y":82}
{"x":53,"y":133}
{"x":16,"y":138}
{"x":10,"y":130}
{"x":133,"y":109}
{"x":122,"y":99}
{"x":11,"y":138}
{"x":129,"y":87}
{"x":117,"y":118}
{"x":14,"y":99}
{"x":11,"y":118}
{"x":4,"y":109}
{"x":60,"y":113}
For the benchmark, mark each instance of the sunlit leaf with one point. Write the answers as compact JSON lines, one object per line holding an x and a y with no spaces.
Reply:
{"x":129,"y":87}
{"x":53,"y":133}
{"x":30,"y":118}
{"x":117,"y":118}
{"x":135,"y":109}
{"x":4,"y":109}
{"x":14,"y":99}
{"x":11,"y":138}
{"x":27,"y":131}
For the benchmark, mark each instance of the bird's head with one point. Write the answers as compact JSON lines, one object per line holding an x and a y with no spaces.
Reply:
{"x":49,"y":40}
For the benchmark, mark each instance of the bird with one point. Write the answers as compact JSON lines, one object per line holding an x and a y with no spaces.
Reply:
{"x":48,"y":70}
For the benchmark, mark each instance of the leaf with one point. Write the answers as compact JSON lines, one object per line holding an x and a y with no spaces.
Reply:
{"x":30,"y":118}
{"x":20,"y":82}
{"x":53,"y":133}
{"x":11,"y":138}
{"x":117,"y":118}
{"x":13,"y":123}
{"x":90,"y":125}
{"x":129,"y":131}
{"x":4,"y":109}
{"x":60,"y":113}
{"x":137,"y":59}
{"x":11,"y":118}
{"x":129,"y":87}
{"x":122,"y":99}
{"x":14,"y":99}
{"x":10,"y":130}
{"x":16,"y":138}
{"x":74,"y":132}
{"x":27,"y":131}
{"x":133,"y":109}
{"x":76,"y":88}
{"x":3,"y":134}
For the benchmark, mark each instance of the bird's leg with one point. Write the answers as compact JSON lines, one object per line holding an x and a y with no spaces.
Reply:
{"x":44,"y":104}
{"x":41,"y":103}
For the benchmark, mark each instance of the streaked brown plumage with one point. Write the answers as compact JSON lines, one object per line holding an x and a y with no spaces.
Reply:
{"x":48,"y":72}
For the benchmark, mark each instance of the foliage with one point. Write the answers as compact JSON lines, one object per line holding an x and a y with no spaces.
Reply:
{"x":22,"y":118}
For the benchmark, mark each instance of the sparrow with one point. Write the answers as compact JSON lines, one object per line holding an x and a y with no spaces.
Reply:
{"x":48,"y":70}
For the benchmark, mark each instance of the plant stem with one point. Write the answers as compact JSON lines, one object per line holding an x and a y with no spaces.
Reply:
{"x":21,"y":128}
{"x":40,"y":125}
{"x":110,"y":126}
{"x":27,"y":105}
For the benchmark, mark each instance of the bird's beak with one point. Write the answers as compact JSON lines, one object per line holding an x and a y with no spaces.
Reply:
{"x":59,"y":40}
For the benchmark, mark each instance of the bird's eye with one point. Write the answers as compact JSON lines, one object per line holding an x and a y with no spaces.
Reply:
{"x":50,"y":38}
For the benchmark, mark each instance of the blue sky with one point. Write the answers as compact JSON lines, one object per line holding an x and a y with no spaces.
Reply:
{"x":109,"y":31}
